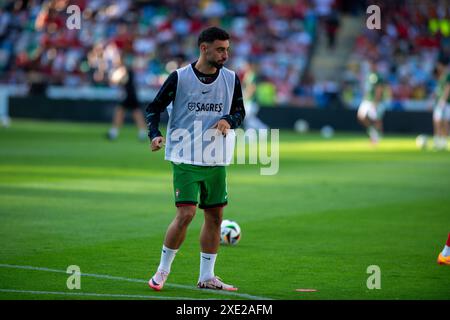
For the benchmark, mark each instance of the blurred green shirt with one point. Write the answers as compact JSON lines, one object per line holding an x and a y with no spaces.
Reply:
{"x":440,"y":89}
{"x":372,"y":81}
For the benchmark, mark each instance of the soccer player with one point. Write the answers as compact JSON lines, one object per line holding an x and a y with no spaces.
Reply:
{"x":124,"y":76}
{"x":204,"y":92}
{"x":371,"y":111}
{"x":249,"y":88}
{"x":441,"y":113}
{"x":444,"y":255}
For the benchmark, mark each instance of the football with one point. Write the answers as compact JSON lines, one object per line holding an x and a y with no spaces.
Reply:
{"x":422,"y":141}
{"x":230,"y":232}
{"x":301,"y":126}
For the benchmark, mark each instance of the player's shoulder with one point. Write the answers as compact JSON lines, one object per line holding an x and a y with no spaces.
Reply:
{"x":225,"y":69}
{"x":183,"y":69}
{"x":229,"y":74}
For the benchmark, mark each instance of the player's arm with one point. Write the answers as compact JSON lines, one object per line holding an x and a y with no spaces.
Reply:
{"x":154,"y":109}
{"x":237,"y":111}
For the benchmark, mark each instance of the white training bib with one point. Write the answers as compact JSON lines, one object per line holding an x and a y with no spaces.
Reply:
{"x":196,"y":109}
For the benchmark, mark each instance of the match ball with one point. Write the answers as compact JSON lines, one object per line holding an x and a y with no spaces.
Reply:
{"x":230,"y":232}
{"x":327,"y":132}
{"x":422,"y":141}
{"x":301,"y":126}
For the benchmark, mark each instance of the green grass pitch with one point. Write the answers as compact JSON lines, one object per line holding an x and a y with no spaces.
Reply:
{"x":70,"y":197}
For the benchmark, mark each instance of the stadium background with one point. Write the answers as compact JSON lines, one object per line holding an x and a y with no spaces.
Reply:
{"x":308,"y":59}
{"x":304,"y":54}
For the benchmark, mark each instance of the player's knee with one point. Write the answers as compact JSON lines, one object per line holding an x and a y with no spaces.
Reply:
{"x":185,"y":215}
{"x":362,"y":120}
{"x":214,"y":216}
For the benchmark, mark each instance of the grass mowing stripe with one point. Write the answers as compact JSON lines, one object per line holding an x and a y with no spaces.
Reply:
{"x":102,"y":276}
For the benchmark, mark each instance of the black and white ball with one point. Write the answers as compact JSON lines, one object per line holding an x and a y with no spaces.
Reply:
{"x":422,"y":141}
{"x":230,"y":232}
{"x":301,"y":126}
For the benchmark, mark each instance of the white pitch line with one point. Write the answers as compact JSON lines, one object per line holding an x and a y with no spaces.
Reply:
{"x":90,"y":294}
{"x":103,"y":276}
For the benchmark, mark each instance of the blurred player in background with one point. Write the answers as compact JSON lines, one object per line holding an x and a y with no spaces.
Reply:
{"x":441,"y":98}
{"x":371,"y":111}
{"x":5,"y":120}
{"x":444,"y":255}
{"x":123,"y":76}
{"x":208,"y":93}
{"x":251,"y":120}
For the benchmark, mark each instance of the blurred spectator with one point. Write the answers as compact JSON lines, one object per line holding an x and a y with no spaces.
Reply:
{"x":160,"y":35}
{"x":329,"y":20}
{"x":248,"y":77}
{"x":304,"y":93}
{"x":265,"y":93}
{"x":407,"y":47}
{"x":332,"y":26}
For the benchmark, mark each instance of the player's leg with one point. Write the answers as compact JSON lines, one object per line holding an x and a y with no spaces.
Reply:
{"x":438,"y":128}
{"x":444,"y":255}
{"x":175,"y":235}
{"x":119,"y":115}
{"x":367,"y":116}
{"x":445,"y":129}
{"x":378,"y":124}
{"x":436,"y":133}
{"x":176,"y":232}
{"x":375,"y":114}
{"x":445,"y":126}
{"x":186,"y":190}
{"x":5,"y":120}
{"x":365,"y":122}
{"x":138,"y":118}
{"x":209,"y":242}
{"x":210,"y":233}
{"x":213,"y":197}
{"x":362,"y":113}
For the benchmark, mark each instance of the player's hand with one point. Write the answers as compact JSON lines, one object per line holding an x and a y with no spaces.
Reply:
{"x":222,"y":127}
{"x":157,"y":143}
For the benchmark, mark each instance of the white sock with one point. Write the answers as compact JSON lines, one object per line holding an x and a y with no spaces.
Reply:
{"x":446,"y":251}
{"x":167,"y":256}
{"x":207,"y":261}
{"x":113,"y":132}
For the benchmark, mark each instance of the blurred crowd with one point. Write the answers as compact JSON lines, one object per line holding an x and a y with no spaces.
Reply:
{"x":154,"y":38}
{"x":413,"y":35}
{"x":272,"y":40}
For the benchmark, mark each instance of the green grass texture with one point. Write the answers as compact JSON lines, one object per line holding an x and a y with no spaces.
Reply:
{"x":68,"y":196}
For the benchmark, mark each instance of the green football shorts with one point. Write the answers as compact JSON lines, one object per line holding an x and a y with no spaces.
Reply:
{"x":190,"y":180}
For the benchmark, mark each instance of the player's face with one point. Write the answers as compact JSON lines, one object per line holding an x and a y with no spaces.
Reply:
{"x":216,"y":53}
{"x":440,"y":68}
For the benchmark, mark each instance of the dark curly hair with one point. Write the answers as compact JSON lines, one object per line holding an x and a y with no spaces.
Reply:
{"x":212,"y":33}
